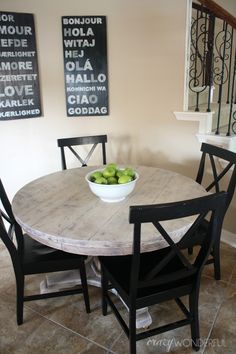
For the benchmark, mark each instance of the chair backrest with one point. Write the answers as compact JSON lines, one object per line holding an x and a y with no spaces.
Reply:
{"x":223,"y":163}
{"x":82,"y":140}
{"x":173,"y":265}
{"x":10,"y":229}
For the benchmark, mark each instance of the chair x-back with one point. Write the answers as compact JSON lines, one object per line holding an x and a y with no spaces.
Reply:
{"x":31,"y":257}
{"x":70,"y":143}
{"x":217,"y":172}
{"x":145,"y":279}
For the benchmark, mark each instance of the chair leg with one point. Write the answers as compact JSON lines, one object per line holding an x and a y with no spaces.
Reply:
{"x":195,"y":332}
{"x":216,"y":257}
{"x":19,"y":299}
{"x":84,"y":286}
{"x":104,"y":284}
{"x":132,"y":330}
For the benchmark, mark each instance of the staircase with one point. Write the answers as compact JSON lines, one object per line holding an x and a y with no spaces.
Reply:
{"x":211,"y":73}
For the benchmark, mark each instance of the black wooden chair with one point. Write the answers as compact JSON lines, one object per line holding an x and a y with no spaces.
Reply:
{"x":145,"y":279}
{"x":31,"y":257}
{"x":217,"y":172}
{"x":82,"y":140}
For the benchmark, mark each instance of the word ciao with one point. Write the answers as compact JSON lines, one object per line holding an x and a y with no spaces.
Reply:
{"x":83,"y":99}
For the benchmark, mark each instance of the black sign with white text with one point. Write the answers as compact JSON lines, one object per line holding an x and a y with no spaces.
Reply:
{"x":19,"y":80}
{"x":85,"y":65}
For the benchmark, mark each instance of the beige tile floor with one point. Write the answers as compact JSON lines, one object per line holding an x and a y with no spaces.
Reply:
{"x":61,"y":325}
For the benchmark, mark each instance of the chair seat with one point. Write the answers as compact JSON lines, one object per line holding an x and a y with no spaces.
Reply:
{"x":119,"y":269}
{"x":39,"y":258}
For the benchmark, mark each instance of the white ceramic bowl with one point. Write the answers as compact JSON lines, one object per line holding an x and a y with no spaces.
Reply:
{"x":111,"y":193}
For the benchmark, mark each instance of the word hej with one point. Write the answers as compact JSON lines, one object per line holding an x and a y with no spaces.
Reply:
{"x":86,"y":83}
{"x":18,"y":67}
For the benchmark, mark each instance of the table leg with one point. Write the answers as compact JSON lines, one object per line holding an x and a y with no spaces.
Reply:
{"x":67,"y":279}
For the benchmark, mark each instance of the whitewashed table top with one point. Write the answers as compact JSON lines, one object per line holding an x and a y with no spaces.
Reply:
{"x":59,"y":210}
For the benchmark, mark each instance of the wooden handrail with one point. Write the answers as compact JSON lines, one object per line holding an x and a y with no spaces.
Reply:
{"x":219,"y":11}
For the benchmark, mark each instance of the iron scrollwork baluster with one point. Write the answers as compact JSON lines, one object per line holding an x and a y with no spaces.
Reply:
{"x":222,"y":67}
{"x":232,"y":116}
{"x":201,"y":55}
{"x":211,"y":65}
{"x":233,"y":127}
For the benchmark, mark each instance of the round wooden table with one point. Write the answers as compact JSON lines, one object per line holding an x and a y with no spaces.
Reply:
{"x":59,"y":210}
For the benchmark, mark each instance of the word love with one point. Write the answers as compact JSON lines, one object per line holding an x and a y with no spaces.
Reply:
{"x":10,"y":91}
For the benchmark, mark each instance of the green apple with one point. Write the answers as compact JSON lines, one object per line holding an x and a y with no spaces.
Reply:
{"x":109,"y":172}
{"x":112,"y":180}
{"x":128,"y":171}
{"x":95,"y":175}
{"x":124,"y":179}
{"x":119,"y":173}
{"x":101,"y":180}
{"x":113,"y":165}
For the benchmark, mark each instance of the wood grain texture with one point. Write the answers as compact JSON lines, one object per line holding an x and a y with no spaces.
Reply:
{"x":219,"y":11}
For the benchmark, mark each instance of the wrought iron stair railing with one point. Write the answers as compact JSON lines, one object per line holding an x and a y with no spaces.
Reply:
{"x":212,"y":68}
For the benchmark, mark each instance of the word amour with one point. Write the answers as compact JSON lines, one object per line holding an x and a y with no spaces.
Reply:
{"x":20,"y":30}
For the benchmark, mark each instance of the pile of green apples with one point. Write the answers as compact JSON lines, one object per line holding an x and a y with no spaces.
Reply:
{"x":113,"y":175}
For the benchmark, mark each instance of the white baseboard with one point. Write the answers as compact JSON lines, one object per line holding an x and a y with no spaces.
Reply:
{"x":229,"y":238}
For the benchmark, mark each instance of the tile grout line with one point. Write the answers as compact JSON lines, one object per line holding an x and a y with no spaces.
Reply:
{"x":231,"y":275}
{"x":70,"y":330}
{"x":220,"y":305}
{"x":212,"y":327}
{"x":227,"y":282}
{"x":110,"y":351}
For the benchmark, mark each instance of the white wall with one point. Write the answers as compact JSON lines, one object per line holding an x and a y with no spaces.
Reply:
{"x":146,"y":44}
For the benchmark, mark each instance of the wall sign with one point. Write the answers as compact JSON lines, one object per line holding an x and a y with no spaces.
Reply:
{"x":19,"y":80}
{"x":85,"y":65}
